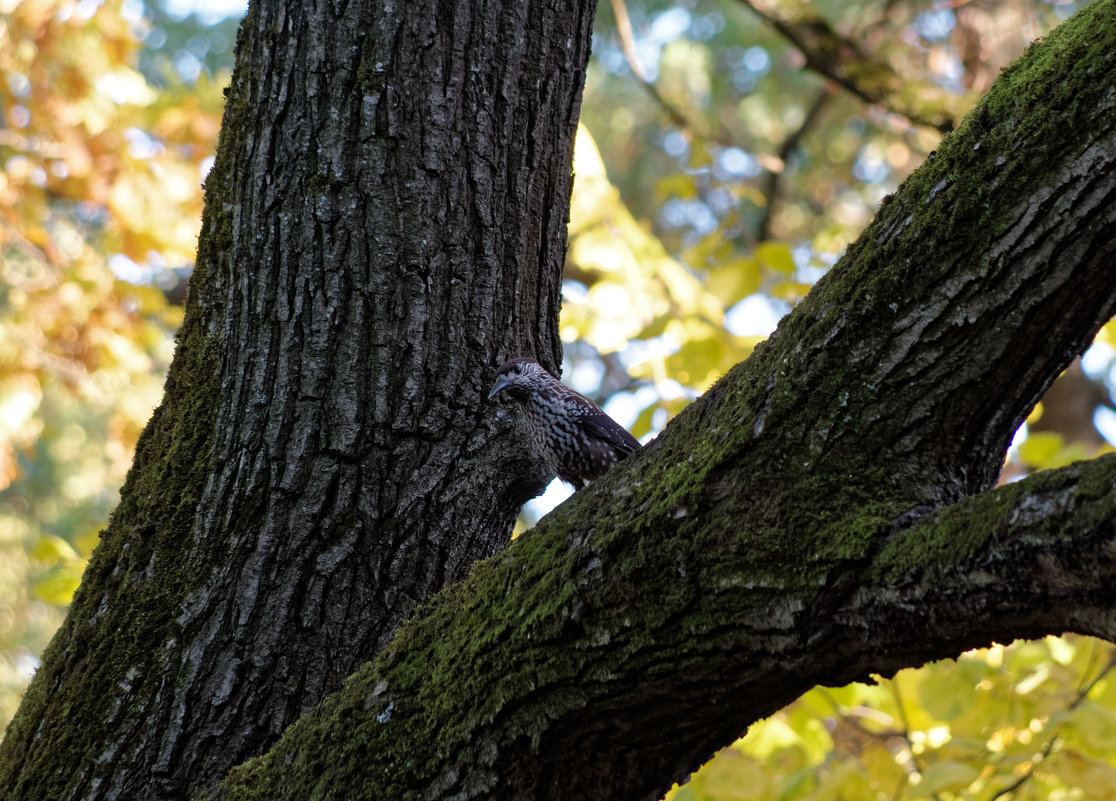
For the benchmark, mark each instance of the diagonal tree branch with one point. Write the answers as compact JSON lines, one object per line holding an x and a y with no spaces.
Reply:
{"x":1048,"y":749}
{"x":1034,"y":557}
{"x":772,"y":178}
{"x":658,"y":688}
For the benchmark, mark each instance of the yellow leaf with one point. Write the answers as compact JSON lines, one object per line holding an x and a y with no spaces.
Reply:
{"x":735,"y":280}
{"x":790,"y":291}
{"x":776,"y":257}
{"x":946,"y":776}
{"x":945,"y":692}
{"x":1040,"y":448}
{"x":1095,"y":726}
{"x":58,"y":588}
{"x":50,"y":549}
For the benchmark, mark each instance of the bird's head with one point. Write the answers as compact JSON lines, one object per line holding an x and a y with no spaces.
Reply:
{"x":519,"y":377}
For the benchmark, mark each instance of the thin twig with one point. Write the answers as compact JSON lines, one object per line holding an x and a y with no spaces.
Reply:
{"x":897,"y":696}
{"x":772,"y":180}
{"x":677,"y":116}
{"x":1082,"y":694}
{"x":843,"y":61}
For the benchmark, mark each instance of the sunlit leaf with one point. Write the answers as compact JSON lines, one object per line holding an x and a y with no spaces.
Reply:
{"x":58,"y":587}
{"x":946,"y":776}
{"x":1040,"y":448}
{"x":50,"y":549}
{"x":775,"y":257}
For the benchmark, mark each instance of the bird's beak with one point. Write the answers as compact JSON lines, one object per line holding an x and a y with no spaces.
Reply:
{"x":501,"y":385}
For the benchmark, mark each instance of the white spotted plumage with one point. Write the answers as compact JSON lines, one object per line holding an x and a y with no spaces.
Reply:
{"x":573,"y":436}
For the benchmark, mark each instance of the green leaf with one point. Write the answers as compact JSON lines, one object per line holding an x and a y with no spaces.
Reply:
{"x":50,"y":549}
{"x":1094,"y":726}
{"x":58,"y":588}
{"x":945,"y":776}
{"x":775,"y":257}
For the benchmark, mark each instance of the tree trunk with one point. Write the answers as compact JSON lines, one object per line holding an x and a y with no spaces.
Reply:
{"x":821,"y":514}
{"x":385,"y":223}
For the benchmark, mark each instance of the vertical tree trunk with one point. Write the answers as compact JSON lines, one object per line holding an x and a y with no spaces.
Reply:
{"x":385,"y":222}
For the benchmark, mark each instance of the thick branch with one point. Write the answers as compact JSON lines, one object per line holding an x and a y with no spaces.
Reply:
{"x":766,"y":541}
{"x":973,"y":288}
{"x":594,"y":694}
{"x":1026,"y":559}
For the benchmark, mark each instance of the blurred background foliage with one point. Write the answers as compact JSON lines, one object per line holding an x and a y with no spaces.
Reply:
{"x":108,"y":118}
{"x":729,"y":151}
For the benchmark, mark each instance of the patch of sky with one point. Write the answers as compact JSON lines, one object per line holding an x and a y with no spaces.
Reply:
{"x":210,"y":12}
{"x":19,"y":84}
{"x":810,"y":266}
{"x":142,"y":146}
{"x":756,"y":60}
{"x":1099,"y":364}
{"x":612,"y":59}
{"x":720,"y":200}
{"x":84,"y":9}
{"x":1063,"y":10}
{"x":669,"y":25}
{"x":736,"y":163}
{"x":871,"y":166}
{"x":706,"y":26}
{"x":624,"y":407}
{"x":132,"y":10}
{"x":556,"y":492}
{"x":188,"y":66}
{"x":1104,"y":420}
{"x":1097,"y":360}
{"x":935,"y":24}
{"x":586,"y":376}
{"x":127,"y":270}
{"x":676,"y":144}
{"x":695,"y":214}
{"x":755,"y":316}
{"x":205,"y":166}
{"x":1013,"y":449}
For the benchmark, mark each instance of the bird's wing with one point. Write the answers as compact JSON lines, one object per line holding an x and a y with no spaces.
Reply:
{"x":600,"y":425}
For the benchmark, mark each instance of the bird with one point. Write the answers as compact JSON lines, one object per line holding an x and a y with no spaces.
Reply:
{"x":575,"y":438}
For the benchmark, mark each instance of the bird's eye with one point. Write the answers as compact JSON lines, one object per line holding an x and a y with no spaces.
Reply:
{"x":519,"y":367}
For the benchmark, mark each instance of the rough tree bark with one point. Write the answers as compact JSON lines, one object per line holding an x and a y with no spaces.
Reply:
{"x":384,"y":224}
{"x":822,"y":513}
